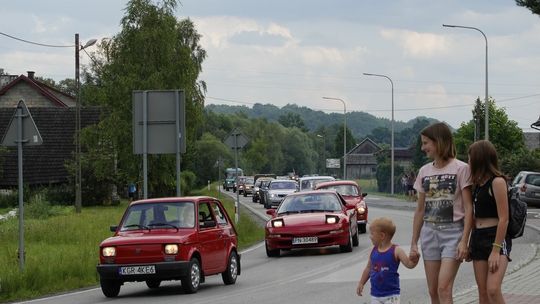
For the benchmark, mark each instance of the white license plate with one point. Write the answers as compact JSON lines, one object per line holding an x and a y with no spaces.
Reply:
{"x":305,"y":240}
{"x":131,"y":270}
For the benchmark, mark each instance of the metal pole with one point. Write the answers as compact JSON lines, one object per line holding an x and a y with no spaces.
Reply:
{"x":178,"y":138}
{"x":344,"y":134}
{"x":392,"y":131}
{"x":21,"y":204}
{"x":236,"y":205}
{"x":78,"y":178}
{"x":486,"y":127}
{"x":145,"y":144}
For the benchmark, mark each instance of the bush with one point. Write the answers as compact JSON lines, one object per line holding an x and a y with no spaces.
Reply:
{"x":188,"y":181}
{"x":38,"y":207}
{"x":60,"y":195}
{"x":10,"y":200}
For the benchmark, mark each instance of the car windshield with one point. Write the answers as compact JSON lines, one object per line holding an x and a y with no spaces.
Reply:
{"x":533,"y":179}
{"x":349,"y":190}
{"x":314,"y":202}
{"x":160,"y":215}
{"x":248,"y":180}
{"x":311,"y":183}
{"x":283,"y":185}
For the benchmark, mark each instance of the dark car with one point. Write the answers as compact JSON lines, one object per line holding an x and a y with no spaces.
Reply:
{"x":526,"y":187}
{"x":177,"y":238}
{"x":257,"y":188}
{"x":263,"y":189}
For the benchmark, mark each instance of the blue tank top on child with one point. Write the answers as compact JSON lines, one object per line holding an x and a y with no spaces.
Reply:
{"x":383,"y":274}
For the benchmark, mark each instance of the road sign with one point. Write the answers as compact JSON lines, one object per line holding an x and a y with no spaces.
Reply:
{"x":30,"y":133}
{"x":333,"y":163}
{"x":236,"y":140}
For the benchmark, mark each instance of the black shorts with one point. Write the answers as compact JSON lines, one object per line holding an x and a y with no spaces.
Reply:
{"x":481,"y":243}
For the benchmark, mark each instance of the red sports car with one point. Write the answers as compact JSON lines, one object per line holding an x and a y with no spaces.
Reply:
{"x":311,"y":219}
{"x":353,"y":195}
{"x":177,"y":238}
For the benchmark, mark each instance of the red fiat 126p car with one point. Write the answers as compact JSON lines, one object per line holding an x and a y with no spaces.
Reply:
{"x":177,"y":238}
{"x":353,"y":195}
{"x":311,"y":219}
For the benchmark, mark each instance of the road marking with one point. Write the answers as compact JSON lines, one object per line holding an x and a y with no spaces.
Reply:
{"x":59,"y":296}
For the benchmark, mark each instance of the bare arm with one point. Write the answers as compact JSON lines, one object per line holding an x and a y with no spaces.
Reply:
{"x":405,"y":259}
{"x":463,"y":246}
{"x":363,"y":279}
{"x":418,"y":221}
{"x":499,"y":192}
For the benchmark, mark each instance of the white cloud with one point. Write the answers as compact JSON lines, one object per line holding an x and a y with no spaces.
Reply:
{"x":417,"y":44}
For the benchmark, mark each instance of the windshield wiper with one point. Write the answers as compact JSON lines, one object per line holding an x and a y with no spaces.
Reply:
{"x":134,"y":225}
{"x":163,"y":224}
{"x":289,"y":212}
{"x":315,"y":210}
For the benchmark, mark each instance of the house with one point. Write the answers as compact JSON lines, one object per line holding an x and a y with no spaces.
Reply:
{"x":54,"y":115}
{"x":34,"y":92}
{"x":362,"y":159}
{"x":532,"y":140}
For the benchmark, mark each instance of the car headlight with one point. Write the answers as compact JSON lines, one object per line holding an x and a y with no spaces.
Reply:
{"x":361,"y":210}
{"x":277,"y":223}
{"x":171,"y":249}
{"x":330,"y":219}
{"x":272,"y":195}
{"x":108,"y":251}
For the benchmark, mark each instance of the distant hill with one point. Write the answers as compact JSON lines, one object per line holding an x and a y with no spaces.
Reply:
{"x":360,"y":123}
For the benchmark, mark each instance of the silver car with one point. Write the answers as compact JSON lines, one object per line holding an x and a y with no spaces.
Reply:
{"x":526,"y":187}
{"x":277,"y":191}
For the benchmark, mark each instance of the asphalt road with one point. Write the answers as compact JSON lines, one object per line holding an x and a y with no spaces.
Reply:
{"x":298,"y":276}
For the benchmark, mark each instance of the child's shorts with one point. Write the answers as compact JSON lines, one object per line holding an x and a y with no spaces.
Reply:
{"x":440,"y":240}
{"x":481,"y":243}
{"x":393,"y":299}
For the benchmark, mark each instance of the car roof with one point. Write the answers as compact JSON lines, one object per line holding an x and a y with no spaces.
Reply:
{"x":316,"y":177}
{"x":173,"y":199}
{"x":336,"y":183}
{"x":312,"y":192}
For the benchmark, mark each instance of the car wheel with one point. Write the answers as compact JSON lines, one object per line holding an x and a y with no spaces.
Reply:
{"x":153,"y":284}
{"x":245,"y":194}
{"x":271,"y":253}
{"x":348,"y":247}
{"x":355,"y":239}
{"x":110,"y":288}
{"x":227,"y":189}
{"x":231,"y":273}
{"x":362,"y":228}
{"x":253,"y":199}
{"x":191,"y":283}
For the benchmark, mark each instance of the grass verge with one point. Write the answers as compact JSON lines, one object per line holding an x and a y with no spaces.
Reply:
{"x":62,"y":250}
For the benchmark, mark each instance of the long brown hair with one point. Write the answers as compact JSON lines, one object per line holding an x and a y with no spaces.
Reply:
{"x":483,"y":161}
{"x":442,"y":136}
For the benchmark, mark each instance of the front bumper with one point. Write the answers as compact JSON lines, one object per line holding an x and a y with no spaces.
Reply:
{"x":164,"y":271}
{"x":324,"y":240}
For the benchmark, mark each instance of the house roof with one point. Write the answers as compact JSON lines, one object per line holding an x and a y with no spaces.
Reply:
{"x":44,"y":164}
{"x":366,"y":146}
{"x":40,"y":87}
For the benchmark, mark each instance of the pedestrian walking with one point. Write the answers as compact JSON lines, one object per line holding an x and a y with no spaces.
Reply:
{"x":489,"y":245}
{"x":382,"y":267}
{"x":411,"y":178}
{"x":443,"y":216}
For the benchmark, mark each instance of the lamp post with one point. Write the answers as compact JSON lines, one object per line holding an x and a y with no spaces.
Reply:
{"x":78,"y":176}
{"x":324,"y":153}
{"x":344,"y":135}
{"x":486,"y":101}
{"x":392,"y":126}
{"x":536,"y":125}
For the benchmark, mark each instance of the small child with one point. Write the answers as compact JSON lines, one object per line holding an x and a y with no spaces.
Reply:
{"x":383,"y":263}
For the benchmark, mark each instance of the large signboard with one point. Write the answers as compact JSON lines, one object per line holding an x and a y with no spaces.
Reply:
{"x":163,"y":114}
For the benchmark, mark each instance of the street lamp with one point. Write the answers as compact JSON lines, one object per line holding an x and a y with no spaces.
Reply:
{"x":536,"y":125}
{"x":78,"y":177}
{"x":392,"y":126}
{"x":344,"y":135}
{"x":324,"y":153}
{"x":486,"y":101}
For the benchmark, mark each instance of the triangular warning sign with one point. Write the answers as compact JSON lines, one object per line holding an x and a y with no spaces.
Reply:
{"x":30,"y":133}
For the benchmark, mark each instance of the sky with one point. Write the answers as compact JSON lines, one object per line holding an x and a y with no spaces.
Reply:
{"x":298,"y":51}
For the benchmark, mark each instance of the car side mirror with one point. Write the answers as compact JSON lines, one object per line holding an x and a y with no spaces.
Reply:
{"x":113,"y":228}
{"x":364,"y":194}
{"x":207,"y":224}
{"x":271,"y":212}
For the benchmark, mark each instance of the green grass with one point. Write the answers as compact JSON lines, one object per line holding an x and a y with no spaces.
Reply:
{"x":370,"y":186}
{"x":62,"y":250}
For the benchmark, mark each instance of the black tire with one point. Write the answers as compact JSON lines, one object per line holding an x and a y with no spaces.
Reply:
{"x":227,"y":189}
{"x":191,"y":283}
{"x":245,"y":194}
{"x":355,"y":241}
{"x":110,"y":288}
{"x":348,"y":247}
{"x":153,"y":284}
{"x":362,"y":228}
{"x":231,"y":273}
{"x":253,"y":199}
{"x":271,"y":253}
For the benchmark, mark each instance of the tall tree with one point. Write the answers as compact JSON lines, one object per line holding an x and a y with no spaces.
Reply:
{"x":290,"y":120}
{"x":154,"y":50}
{"x":533,"y":5}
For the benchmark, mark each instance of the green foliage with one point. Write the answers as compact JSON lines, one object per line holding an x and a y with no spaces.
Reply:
{"x":187,"y":182}
{"x":384,"y":172}
{"x":521,"y":160}
{"x":9,"y":200}
{"x":292,"y":120}
{"x":532,"y":5}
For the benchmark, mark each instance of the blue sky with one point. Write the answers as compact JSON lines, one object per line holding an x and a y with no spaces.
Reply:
{"x":282,"y":52}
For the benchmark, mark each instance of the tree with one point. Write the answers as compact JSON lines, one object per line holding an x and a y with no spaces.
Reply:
{"x":338,"y":143}
{"x":532,"y":5}
{"x":154,"y":50}
{"x":209,"y":150}
{"x":290,"y":120}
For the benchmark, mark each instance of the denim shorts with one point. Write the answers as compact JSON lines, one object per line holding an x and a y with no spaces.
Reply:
{"x":440,"y":240}
{"x":481,"y":243}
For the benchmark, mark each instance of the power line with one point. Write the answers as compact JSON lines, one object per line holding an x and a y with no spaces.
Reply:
{"x":36,"y":43}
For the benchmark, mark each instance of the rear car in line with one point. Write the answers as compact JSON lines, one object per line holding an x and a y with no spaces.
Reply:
{"x":526,"y":187}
